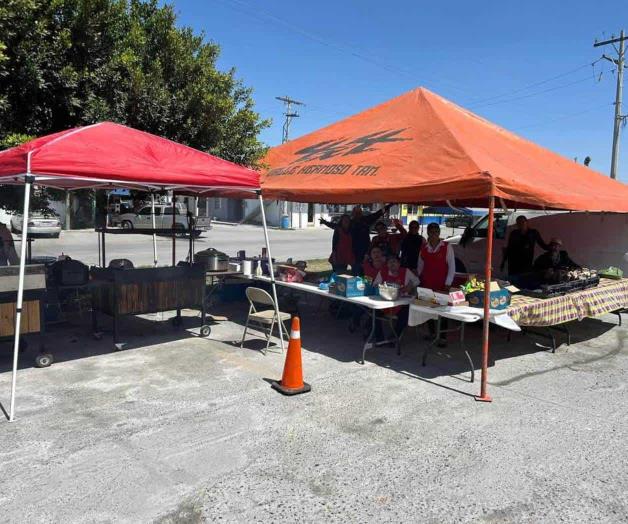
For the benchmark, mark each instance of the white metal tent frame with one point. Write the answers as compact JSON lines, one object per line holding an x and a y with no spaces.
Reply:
{"x":29,"y":179}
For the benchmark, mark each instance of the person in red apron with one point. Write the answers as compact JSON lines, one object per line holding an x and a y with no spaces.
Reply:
{"x":436,"y":268}
{"x":342,"y":246}
{"x":393,"y":273}
{"x":374,"y":263}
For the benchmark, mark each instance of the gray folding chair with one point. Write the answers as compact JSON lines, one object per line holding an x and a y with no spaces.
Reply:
{"x":264,"y":319}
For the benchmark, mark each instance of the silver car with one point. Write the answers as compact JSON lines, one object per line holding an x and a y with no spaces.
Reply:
{"x":38,"y":225}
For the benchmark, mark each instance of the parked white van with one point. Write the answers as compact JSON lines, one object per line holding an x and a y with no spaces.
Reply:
{"x":594,"y":240}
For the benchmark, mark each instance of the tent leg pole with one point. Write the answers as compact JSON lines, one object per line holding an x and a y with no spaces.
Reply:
{"x":174,"y":229}
{"x":20,"y":292}
{"x":271,"y":271}
{"x":484,"y":396}
{"x":152,"y":212}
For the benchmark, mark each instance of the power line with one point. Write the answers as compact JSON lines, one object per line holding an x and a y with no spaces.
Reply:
{"x":240,"y":5}
{"x":535,"y":84}
{"x":555,"y":88}
{"x":563,"y":117}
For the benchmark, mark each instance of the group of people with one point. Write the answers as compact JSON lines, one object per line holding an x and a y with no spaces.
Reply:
{"x":523,"y":269}
{"x":403,"y":258}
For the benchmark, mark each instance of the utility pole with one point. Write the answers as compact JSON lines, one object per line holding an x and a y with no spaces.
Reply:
{"x":619,"y":118}
{"x":289,"y":114}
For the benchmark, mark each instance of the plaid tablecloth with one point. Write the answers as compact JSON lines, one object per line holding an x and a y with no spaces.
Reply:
{"x":609,"y":295}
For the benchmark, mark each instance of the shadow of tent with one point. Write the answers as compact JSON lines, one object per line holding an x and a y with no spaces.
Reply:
{"x":74,"y":340}
{"x":323,"y":333}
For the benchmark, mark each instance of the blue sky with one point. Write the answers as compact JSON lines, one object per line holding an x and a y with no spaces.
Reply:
{"x":523,"y":65}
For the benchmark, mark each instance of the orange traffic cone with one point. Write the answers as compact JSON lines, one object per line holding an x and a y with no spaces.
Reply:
{"x":292,"y":379}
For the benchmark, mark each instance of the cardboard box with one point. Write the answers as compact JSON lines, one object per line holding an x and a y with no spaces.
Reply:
{"x":456,"y":298}
{"x":349,"y":286}
{"x":500,"y":299}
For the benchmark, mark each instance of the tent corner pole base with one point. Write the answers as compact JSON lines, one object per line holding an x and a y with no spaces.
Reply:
{"x":484,"y":396}
{"x":20,"y":290}
{"x":271,"y":270}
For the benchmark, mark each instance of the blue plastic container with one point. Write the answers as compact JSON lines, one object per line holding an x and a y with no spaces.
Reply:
{"x":285,"y":222}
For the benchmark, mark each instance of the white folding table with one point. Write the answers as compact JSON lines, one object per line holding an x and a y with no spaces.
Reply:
{"x":372,"y":303}
{"x":419,"y":314}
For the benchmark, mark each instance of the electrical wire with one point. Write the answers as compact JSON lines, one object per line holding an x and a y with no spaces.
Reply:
{"x":534,"y":84}
{"x":563,"y":117}
{"x":555,"y":88}
{"x":240,"y":5}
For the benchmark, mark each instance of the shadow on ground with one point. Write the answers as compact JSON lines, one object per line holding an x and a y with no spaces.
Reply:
{"x":74,"y":339}
{"x":323,"y":333}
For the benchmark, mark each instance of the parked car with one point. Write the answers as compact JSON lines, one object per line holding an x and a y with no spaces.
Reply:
{"x":594,"y":240}
{"x":163,"y":219}
{"x":39,"y":225}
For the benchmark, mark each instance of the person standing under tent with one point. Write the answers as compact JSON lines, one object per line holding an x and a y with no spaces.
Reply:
{"x":388,"y":243}
{"x":342,"y":255}
{"x":436,"y":268}
{"x":360,"y":233}
{"x":519,"y":252}
{"x":411,"y":245}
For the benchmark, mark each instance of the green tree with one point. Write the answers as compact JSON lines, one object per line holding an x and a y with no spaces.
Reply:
{"x":66,"y":63}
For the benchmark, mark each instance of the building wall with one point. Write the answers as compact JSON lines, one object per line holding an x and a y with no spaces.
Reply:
{"x":223,"y":209}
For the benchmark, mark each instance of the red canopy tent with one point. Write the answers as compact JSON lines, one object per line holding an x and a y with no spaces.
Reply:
{"x":107,"y":156}
{"x":420,"y":147}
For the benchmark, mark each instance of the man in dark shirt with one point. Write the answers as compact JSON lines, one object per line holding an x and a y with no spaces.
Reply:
{"x":360,"y":233}
{"x":519,"y":252}
{"x":554,"y":259}
{"x":410,"y":246}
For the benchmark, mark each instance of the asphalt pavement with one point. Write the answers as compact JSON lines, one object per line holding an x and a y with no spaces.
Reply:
{"x":179,"y":428}
{"x":83,"y":245}
{"x":305,"y":244}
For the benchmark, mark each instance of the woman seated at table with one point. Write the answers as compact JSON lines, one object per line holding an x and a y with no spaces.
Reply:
{"x":373,"y":263}
{"x":393,"y":273}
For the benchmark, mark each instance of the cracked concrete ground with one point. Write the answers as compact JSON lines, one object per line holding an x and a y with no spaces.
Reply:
{"x":177,"y":428}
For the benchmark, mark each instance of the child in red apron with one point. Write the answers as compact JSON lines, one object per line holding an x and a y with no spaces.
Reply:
{"x":393,"y":273}
{"x":374,"y":263}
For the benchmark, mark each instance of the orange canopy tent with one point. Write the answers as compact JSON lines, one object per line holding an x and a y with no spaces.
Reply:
{"x":422,"y":148}
{"x":419,"y":147}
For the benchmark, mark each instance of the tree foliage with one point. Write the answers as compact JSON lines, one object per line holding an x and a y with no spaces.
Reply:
{"x":66,"y":63}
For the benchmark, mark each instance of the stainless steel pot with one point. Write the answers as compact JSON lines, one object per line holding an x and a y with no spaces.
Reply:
{"x":217,"y":263}
{"x":213,"y":260}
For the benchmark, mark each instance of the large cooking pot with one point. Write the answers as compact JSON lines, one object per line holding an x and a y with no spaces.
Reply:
{"x":212,"y":259}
